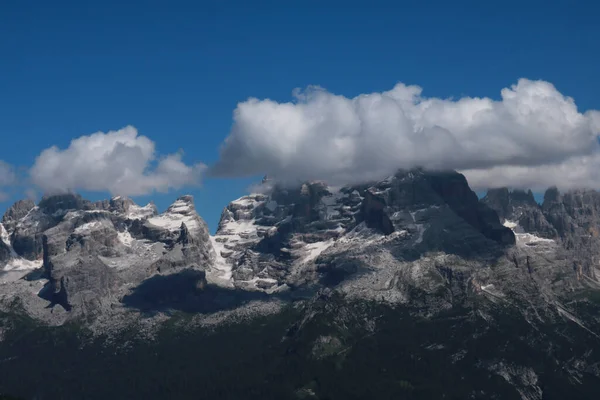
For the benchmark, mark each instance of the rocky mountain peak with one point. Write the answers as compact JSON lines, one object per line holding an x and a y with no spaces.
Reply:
{"x":89,"y":250}
{"x":60,"y":204}
{"x":391,"y":203}
{"x":506,"y":202}
{"x":551,"y":196}
{"x":572,"y":213}
{"x":519,"y":210}
{"x":184,"y":235}
{"x":17,"y":211}
{"x":180,"y":222}
{"x":520,"y":196}
{"x":121,"y":204}
{"x":184,"y":205}
{"x":572,"y":218}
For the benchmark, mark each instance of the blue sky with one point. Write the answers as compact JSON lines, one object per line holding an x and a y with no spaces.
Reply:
{"x":176,"y":70}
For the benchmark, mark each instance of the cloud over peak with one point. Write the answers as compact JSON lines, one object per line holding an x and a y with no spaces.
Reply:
{"x":321,"y":135}
{"x":121,"y":162}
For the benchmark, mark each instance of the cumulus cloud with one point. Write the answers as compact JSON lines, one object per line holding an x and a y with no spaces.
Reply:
{"x":574,"y":173}
{"x":325,"y":136}
{"x":7,"y":179}
{"x":120,"y":162}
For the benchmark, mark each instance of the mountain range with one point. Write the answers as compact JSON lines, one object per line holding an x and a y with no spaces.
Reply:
{"x":411,"y":285}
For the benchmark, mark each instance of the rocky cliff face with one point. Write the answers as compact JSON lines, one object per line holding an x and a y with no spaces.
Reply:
{"x":16,"y":212}
{"x":266,"y":241}
{"x":89,"y":253}
{"x":184,"y":234}
{"x":5,"y":250}
{"x":275,"y":240}
{"x":520,"y":209}
{"x":570,"y":218}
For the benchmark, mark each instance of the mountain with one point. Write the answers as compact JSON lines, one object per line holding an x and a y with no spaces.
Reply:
{"x":409,"y":286}
{"x":571,"y":219}
{"x":82,"y":256}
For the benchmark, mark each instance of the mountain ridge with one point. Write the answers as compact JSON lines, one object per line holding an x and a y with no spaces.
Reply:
{"x":282,"y":239}
{"x":418,"y":245}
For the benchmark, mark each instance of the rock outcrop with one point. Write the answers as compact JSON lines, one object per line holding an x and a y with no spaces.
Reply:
{"x":5,"y":253}
{"x":16,"y":212}
{"x":519,"y":208}
{"x":571,"y":218}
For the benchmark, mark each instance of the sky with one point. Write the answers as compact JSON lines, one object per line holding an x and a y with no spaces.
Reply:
{"x":157,"y":99}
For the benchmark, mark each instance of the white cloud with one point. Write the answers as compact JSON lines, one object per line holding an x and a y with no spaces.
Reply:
{"x":341,"y":140}
{"x":574,"y":173}
{"x":120,"y":162}
{"x":7,"y":179}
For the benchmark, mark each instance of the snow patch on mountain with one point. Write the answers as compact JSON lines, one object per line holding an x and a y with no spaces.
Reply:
{"x":367,"y":237}
{"x":238,"y":231}
{"x":529,"y":239}
{"x":15,"y":263}
{"x":526,"y":239}
{"x":31,"y":219}
{"x":222,"y":270}
{"x":245,"y":201}
{"x":313,"y":250}
{"x":510,"y":224}
{"x":181,"y":211}
{"x":5,"y":237}
{"x":21,"y":264}
{"x":172,"y":221}
{"x":125,"y":238}
{"x":88,"y":227}
{"x":136,"y":212}
{"x":181,"y":207}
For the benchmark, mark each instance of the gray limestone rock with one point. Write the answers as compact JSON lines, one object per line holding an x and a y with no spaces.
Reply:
{"x":187,"y":252}
{"x":572,"y":218}
{"x":391,"y":204}
{"x":77,"y":276}
{"x":520,"y":207}
{"x":78,"y":280}
{"x":266,"y":238}
{"x":120,"y":204}
{"x":279,"y":236}
{"x":16,"y":212}
{"x":27,"y":235}
{"x":576,"y":217}
{"x":5,"y":253}
{"x":166,"y":226}
{"x":94,"y":252}
{"x":59,"y":204}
